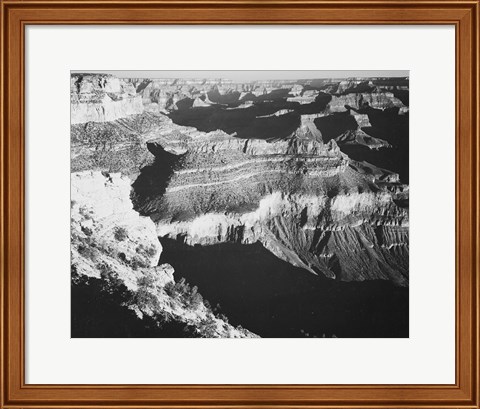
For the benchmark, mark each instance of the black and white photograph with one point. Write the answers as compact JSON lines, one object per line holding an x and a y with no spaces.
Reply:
{"x":239,"y":204}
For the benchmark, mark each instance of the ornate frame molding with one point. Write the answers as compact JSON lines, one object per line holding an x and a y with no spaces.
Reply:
{"x":16,"y":14}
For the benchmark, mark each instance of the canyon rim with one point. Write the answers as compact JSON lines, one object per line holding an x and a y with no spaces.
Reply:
{"x":239,"y":204}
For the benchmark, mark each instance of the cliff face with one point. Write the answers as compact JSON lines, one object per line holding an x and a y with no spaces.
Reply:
{"x":115,"y":146}
{"x":112,"y":242}
{"x":102,"y":98}
{"x":304,"y":200}
{"x":102,"y":212}
{"x":377,"y":100}
{"x":164,"y":95}
{"x":337,"y":214}
{"x":311,"y":171}
{"x":294,"y":229}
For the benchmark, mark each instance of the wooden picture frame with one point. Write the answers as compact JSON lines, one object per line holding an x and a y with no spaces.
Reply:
{"x":17,"y":14}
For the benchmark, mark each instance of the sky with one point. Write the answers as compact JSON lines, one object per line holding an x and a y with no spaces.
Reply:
{"x":252,"y":75}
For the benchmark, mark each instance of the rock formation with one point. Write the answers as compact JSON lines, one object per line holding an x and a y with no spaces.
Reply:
{"x":102,"y":98}
{"x":111,"y":241}
{"x":379,"y":100}
{"x":306,"y":97}
{"x":359,"y":137}
{"x":304,"y":200}
{"x":301,"y":167}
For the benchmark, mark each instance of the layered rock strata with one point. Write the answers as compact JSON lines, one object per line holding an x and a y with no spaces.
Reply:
{"x":304,"y":200}
{"x":298,"y":195}
{"x":377,"y":100}
{"x":102,"y":98}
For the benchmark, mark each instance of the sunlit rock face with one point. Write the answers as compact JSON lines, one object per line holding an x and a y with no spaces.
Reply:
{"x":110,"y":240}
{"x":115,"y":146}
{"x":351,"y":86}
{"x":294,"y":228}
{"x":360,"y":138}
{"x":339,"y":216}
{"x":315,"y":172}
{"x":164,"y":95}
{"x":304,"y":97}
{"x":362,"y":120}
{"x":102,"y":98}
{"x":100,"y":209}
{"x":304,"y":200}
{"x":338,"y":213}
{"x":379,"y":100}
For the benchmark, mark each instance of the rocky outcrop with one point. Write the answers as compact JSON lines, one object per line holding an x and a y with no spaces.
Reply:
{"x":102,"y":98}
{"x":358,"y":137}
{"x":355,"y":85}
{"x":264,"y":163}
{"x":304,"y":200}
{"x":101,"y":211}
{"x":116,"y":146}
{"x":112,"y":241}
{"x":362,"y":120}
{"x":314,"y":232}
{"x":200,"y":103}
{"x":306,"y":97}
{"x":277,"y":113}
{"x":358,"y":101}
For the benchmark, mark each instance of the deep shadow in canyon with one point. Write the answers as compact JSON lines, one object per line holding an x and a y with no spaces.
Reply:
{"x":258,"y":122}
{"x":275,"y":299}
{"x":248,"y":122}
{"x":386,"y":125}
{"x":335,"y":124}
{"x":152,"y":181}
{"x":394,"y":129}
{"x":251,"y":286}
{"x":98,"y":311}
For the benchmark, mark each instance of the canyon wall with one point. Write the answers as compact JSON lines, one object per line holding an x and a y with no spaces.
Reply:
{"x":112,"y":242}
{"x":301,"y":168}
{"x":304,"y":200}
{"x":102,"y":98}
{"x":339,"y":216}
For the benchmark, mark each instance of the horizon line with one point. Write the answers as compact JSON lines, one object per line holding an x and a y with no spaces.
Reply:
{"x":250,"y":75}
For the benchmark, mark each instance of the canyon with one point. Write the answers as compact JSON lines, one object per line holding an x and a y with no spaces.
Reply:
{"x":283,"y":203}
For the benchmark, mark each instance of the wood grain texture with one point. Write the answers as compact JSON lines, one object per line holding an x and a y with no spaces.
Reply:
{"x":14,"y":393}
